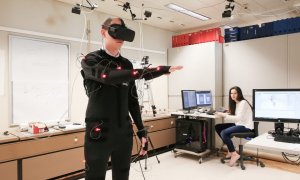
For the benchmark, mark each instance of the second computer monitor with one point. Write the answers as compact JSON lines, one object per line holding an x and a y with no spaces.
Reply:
{"x":204,"y":98}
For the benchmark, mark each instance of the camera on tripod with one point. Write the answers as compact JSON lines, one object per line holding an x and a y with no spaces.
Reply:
{"x":145,"y":61}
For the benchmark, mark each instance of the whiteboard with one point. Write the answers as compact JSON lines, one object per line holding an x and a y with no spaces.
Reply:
{"x":1,"y":73}
{"x":39,"y":76}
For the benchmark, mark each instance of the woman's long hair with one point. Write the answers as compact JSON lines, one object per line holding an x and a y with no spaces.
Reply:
{"x":232,"y":103}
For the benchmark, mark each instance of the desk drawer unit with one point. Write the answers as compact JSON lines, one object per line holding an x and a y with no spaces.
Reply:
{"x":161,"y":132}
{"x":28,"y":148}
{"x":53,"y":165}
{"x":9,"y":170}
{"x":163,"y":138}
{"x":159,"y":124}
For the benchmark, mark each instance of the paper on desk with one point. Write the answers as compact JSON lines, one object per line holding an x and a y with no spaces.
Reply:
{"x":72,"y":127}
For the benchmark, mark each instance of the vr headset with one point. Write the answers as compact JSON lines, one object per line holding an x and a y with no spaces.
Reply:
{"x":119,"y":31}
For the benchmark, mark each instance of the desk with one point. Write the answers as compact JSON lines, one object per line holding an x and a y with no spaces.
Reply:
{"x":196,"y":117}
{"x":7,"y":138}
{"x":41,"y":156}
{"x":266,"y":142}
{"x":26,"y":156}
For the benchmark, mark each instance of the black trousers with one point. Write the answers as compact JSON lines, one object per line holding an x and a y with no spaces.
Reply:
{"x":114,"y":144}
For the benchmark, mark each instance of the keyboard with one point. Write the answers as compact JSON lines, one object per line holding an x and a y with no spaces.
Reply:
{"x":287,"y":139}
{"x":210,"y":112}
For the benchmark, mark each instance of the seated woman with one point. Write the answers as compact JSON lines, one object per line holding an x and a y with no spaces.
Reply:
{"x":240,"y":112}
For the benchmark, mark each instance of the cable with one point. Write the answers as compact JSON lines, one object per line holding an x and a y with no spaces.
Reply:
{"x":138,"y":151}
{"x":79,"y":56}
{"x":287,"y":156}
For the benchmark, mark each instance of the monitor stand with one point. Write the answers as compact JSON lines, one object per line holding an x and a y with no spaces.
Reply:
{"x":187,"y":111}
{"x":279,"y":128}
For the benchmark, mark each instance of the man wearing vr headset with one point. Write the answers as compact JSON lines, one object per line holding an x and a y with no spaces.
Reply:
{"x":109,"y":81}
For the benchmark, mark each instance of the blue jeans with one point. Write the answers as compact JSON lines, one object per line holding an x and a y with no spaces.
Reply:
{"x":226,"y":129}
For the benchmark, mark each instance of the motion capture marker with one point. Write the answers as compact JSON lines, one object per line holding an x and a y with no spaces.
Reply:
{"x":103,"y":76}
{"x":135,"y":73}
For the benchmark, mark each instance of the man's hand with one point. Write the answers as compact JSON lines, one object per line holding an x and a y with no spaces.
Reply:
{"x":175,"y":68}
{"x":144,"y":148}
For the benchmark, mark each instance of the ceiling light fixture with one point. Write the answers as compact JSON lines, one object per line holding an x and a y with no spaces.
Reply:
{"x":187,"y":12}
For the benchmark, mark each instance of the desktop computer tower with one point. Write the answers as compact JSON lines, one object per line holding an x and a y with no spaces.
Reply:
{"x":191,"y":135}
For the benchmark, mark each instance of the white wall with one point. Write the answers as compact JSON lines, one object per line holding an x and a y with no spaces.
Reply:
{"x":202,"y":71}
{"x":53,"y":20}
{"x":271,"y":62}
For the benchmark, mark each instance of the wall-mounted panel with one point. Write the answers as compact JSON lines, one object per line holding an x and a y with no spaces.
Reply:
{"x":9,"y":170}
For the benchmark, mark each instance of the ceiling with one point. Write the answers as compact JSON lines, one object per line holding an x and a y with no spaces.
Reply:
{"x":245,"y":12}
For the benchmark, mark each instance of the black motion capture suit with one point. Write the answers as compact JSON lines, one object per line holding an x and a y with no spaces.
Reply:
{"x":110,"y":86}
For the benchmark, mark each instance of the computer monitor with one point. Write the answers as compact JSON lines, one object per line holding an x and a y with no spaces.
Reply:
{"x":204,"y":98}
{"x":276,"y":105}
{"x":188,"y":99}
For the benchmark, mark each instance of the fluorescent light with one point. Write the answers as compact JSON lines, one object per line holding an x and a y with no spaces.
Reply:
{"x":187,"y":12}
{"x":227,"y":27}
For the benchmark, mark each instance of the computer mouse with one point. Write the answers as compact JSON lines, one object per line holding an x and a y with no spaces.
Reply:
{"x":61,"y":126}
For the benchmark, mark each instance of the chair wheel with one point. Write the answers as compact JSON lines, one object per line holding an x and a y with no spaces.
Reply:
{"x":217,"y":152}
{"x":243,"y":167}
{"x":200,"y":160}
{"x":262,"y":164}
{"x":222,"y":161}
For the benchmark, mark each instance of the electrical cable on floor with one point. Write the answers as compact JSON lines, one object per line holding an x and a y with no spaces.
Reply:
{"x":287,"y":156}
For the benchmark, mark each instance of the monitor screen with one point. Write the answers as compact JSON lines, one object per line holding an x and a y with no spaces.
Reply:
{"x":276,"y":105}
{"x":204,"y":98}
{"x":188,"y":99}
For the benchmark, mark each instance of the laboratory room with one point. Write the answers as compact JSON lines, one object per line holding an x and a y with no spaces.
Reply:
{"x":149,"y":90}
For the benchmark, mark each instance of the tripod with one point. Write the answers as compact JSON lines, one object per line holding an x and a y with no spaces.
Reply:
{"x":150,"y":97}
{"x":145,"y":64}
{"x":146,"y":156}
{"x":154,"y":152}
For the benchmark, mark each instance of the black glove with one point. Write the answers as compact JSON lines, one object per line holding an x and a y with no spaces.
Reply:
{"x":145,"y":148}
{"x":143,"y":133}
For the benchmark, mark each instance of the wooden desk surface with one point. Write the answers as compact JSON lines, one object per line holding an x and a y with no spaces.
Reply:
{"x":197,"y":114}
{"x":150,"y":117}
{"x":70,"y":128}
{"x":19,"y":136}
{"x":7,"y":138}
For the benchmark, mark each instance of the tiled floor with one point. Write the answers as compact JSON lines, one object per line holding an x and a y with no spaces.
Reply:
{"x":186,"y":167}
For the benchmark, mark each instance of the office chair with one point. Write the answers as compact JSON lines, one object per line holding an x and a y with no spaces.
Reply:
{"x":245,"y":135}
